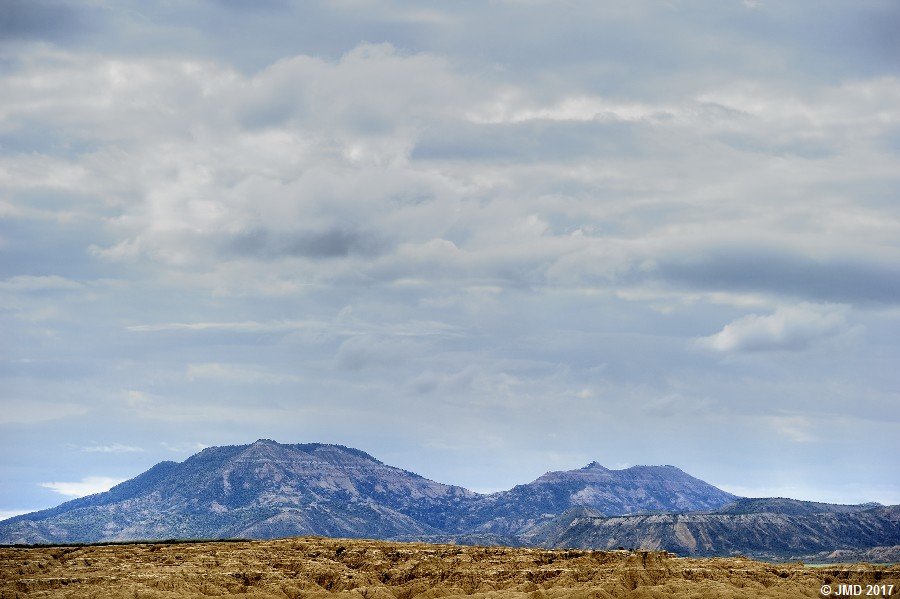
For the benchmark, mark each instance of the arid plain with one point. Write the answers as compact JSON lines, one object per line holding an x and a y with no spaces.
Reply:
{"x":319,"y":568}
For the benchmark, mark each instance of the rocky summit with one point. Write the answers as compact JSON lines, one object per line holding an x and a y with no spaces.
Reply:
{"x":272,"y":490}
{"x":523,"y":509}
{"x":262,"y":490}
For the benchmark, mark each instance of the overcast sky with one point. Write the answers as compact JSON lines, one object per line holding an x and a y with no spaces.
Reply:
{"x":480,"y":240}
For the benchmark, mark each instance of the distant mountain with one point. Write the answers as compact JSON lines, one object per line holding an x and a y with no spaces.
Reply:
{"x":612,"y":492}
{"x":767,"y":528}
{"x":269,"y":490}
{"x":790,"y":507}
{"x":263,"y":490}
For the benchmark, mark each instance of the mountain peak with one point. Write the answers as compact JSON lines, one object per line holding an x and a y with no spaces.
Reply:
{"x":268,"y":489}
{"x":595,"y":465}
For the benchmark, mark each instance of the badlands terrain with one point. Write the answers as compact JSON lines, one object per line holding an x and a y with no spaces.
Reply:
{"x":318,"y":568}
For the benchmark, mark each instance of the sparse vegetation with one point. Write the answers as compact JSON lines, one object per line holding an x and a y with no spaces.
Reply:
{"x":319,"y":568}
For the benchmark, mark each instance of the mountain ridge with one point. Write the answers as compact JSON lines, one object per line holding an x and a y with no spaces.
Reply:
{"x":267,"y":490}
{"x":760,"y":534}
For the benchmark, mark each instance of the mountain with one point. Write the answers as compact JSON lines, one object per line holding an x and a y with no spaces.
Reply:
{"x":262,"y":490}
{"x":612,"y":492}
{"x":270,"y":490}
{"x":767,"y":528}
{"x":790,"y":507}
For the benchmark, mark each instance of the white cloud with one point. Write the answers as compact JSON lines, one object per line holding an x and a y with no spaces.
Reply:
{"x":577,"y":108}
{"x":251,"y":202}
{"x":791,"y":328}
{"x":236,"y":373}
{"x":240,"y":327}
{"x":188,"y":447}
{"x":454,"y":227}
{"x":798,"y":428}
{"x":39,"y":283}
{"x":32,"y":412}
{"x":6,"y":514}
{"x":86,"y":486}
{"x":112,"y":448}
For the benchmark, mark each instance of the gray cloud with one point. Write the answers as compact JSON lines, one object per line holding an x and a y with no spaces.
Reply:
{"x":50,"y":20}
{"x":786,"y":272}
{"x":536,"y":140}
{"x":366,"y":351}
{"x":330,"y":243}
{"x":462,"y":236}
{"x":254,"y":5}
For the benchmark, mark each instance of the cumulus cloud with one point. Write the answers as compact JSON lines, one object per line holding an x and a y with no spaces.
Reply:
{"x":371,"y":184}
{"x":86,"y":486}
{"x":790,"y":328}
{"x":379,"y":213}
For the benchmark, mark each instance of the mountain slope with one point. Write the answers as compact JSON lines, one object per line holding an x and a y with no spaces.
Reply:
{"x":756,"y":527}
{"x":269,"y":490}
{"x":790,"y":507}
{"x":260,"y":490}
{"x":612,"y":492}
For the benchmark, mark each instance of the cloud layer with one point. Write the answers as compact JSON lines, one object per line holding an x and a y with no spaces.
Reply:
{"x":468,"y":239}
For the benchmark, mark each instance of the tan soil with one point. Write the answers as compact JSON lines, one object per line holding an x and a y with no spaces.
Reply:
{"x":316,"y":568}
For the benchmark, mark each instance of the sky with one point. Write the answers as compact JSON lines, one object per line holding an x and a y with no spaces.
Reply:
{"x":480,"y":240}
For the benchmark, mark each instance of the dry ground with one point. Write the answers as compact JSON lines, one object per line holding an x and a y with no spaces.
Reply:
{"x":316,"y":568}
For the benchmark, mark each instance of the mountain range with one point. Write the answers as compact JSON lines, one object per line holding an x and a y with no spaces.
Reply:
{"x":270,"y":490}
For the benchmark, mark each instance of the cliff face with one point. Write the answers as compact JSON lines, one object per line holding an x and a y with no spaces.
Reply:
{"x":763,"y":528}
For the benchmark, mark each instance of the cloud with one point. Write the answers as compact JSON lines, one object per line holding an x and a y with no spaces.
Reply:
{"x":234,"y":373}
{"x":51,"y":20}
{"x":188,"y":447}
{"x":450,"y":383}
{"x":112,"y":448}
{"x":453,"y":225}
{"x":86,"y":486}
{"x":330,"y":243}
{"x":789,"y":328}
{"x":799,"y":428}
{"x":785,"y":271}
{"x":238,"y":327}
{"x":6,"y":514}
{"x":34,"y":412}
{"x":369,"y":351}
{"x":27,"y":283}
